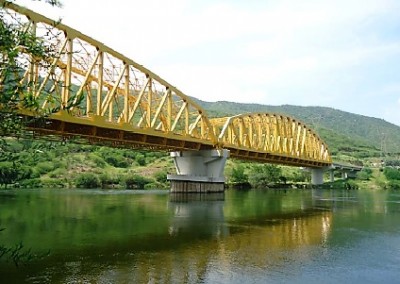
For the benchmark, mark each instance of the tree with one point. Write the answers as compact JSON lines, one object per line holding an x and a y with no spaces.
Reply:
{"x":14,"y":91}
{"x":263,"y":175}
{"x":238,"y":175}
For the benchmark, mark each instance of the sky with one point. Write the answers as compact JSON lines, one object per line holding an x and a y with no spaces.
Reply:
{"x":343,"y":54}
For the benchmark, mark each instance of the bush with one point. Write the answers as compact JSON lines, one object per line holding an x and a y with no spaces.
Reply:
{"x":391,"y":173}
{"x":161,"y":176}
{"x":364,"y":174}
{"x":117,"y":161}
{"x":264,"y":175}
{"x":140,"y":159}
{"x":44,"y":167}
{"x":108,"y":181}
{"x":98,"y":161}
{"x":136,"y":182}
{"x":394,"y":184}
{"x":8,"y":173}
{"x":87,"y":180}
{"x":52,"y":182}
{"x":238,"y":175}
{"x":31,"y":183}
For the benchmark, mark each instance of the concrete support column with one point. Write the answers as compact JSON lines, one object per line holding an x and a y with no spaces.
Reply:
{"x":199,"y":171}
{"x":332,"y":175}
{"x":317,"y":176}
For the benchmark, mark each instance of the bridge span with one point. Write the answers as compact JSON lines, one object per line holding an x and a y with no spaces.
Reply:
{"x":95,"y":93}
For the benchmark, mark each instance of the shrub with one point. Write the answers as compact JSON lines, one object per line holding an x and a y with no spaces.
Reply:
{"x":31,"y":183}
{"x":238,"y":175}
{"x":392,"y":173}
{"x":140,"y":159}
{"x":394,"y":184}
{"x":136,"y":181}
{"x":155,"y":185}
{"x":364,"y":174}
{"x":44,"y":167}
{"x":8,"y":173}
{"x":87,"y":180}
{"x":109,"y":180}
{"x":98,"y":161}
{"x":117,"y":161}
{"x":161,"y":176}
{"x":263,"y":175}
{"x":52,"y":182}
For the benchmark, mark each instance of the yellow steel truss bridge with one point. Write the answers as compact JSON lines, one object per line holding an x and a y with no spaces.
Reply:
{"x":118,"y":102}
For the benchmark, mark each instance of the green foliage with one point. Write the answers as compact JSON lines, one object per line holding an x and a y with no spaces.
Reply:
{"x":392,"y":163}
{"x":161,"y":176}
{"x":393,"y":184}
{"x":300,"y":176}
{"x":31,"y":183}
{"x":117,"y":161}
{"x":109,"y":180}
{"x":97,"y":160}
{"x":52,"y":183}
{"x":238,"y":175}
{"x":136,"y":181}
{"x":8,"y":173}
{"x":154,"y":185}
{"x":364,"y":174}
{"x":391,"y":173}
{"x":87,"y":180}
{"x":264,"y":175}
{"x":44,"y":167}
{"x":140,"y":159}
{"x":17,"y":254}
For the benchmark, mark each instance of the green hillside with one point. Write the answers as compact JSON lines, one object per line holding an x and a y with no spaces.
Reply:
{"x":344,"y":132}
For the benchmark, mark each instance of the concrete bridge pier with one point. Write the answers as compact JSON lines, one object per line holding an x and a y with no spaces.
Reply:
{"x":317,"y":176}
{"x":332,"y":175}
{"x":199,"y":171}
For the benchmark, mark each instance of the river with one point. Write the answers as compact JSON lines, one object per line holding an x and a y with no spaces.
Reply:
{"x":256,"y":236}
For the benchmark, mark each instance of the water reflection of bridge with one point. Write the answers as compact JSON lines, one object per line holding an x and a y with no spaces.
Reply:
{"x":235,"y":245}
{"x":150,"y":241}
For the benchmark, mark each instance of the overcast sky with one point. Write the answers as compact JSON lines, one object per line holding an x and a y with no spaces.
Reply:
{"x":343,"y":54}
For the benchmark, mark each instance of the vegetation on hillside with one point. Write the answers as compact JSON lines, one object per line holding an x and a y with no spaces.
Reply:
{"x":32,"y":163}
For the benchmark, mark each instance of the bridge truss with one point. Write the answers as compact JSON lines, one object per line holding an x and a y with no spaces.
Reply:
{"x":104,"y":97}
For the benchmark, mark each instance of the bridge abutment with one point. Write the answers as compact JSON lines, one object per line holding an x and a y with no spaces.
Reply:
{"x":199,"y":171}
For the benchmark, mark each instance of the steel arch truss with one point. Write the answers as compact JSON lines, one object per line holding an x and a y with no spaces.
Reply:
{"x":272,"y":138}
{"x":95,"y":93}
{"x":113,"y":97}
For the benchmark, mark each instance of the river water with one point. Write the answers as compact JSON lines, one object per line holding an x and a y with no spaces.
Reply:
{"x":256,"y":236}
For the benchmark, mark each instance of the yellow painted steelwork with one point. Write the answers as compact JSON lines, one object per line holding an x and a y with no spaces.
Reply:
{"x":123,"y":103}
{"x":272,"y":138}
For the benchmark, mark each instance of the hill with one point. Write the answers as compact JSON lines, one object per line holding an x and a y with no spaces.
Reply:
{"x":344,"y":132}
